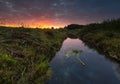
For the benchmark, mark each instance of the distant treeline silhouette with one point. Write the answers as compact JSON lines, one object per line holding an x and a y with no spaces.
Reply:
{"x":111,"y":23}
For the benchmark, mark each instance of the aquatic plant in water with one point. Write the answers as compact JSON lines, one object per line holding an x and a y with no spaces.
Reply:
{"x":76,"y":54}
{"x":68,"y":54}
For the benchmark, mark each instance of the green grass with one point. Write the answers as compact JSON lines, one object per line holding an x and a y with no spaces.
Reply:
{"x":25,"y":54}
{"x":109,"y":45}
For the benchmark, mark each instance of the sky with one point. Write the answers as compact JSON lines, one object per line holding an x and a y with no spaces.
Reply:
{"x":56,"y":13}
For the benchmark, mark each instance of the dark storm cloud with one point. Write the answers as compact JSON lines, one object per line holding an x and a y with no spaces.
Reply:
{"x":59,"y":11}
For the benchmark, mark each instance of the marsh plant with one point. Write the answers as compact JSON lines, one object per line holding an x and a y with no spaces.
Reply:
{"x":76,"y":54}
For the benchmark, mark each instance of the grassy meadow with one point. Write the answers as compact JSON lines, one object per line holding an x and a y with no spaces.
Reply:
{"x":25,"y":54}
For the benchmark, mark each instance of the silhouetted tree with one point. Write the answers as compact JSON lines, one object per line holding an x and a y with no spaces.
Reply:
{"x":73,"y":26}
{"x":52,"y":27}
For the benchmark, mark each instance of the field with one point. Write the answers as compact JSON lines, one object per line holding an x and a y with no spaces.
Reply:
{"x":25,"y":54}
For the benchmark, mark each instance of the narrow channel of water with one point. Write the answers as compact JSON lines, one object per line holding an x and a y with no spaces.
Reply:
{"x":76,"y":63}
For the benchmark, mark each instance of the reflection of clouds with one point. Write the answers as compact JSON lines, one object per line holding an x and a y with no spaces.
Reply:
{"x":116,"y":68}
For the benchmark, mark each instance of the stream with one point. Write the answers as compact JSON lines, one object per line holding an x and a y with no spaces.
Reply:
{"x":76,"y":63}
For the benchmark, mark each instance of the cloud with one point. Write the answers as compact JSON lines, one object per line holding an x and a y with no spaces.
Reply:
{"x":59,"y":11}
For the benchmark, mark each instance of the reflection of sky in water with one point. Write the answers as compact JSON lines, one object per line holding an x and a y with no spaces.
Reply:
{"x":116,"y":68}
{"x":97,"y":70}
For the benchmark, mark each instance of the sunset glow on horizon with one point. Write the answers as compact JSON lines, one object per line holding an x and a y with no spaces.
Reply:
{"x":43,"y":24}
{"x":56,"y":13}
{"x":38,"y":23}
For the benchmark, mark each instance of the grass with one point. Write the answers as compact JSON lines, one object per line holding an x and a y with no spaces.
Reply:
{"x":105,"y":37}
{"x":25,"y":54}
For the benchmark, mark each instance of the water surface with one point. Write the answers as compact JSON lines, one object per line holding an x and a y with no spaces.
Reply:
{"x":97,"y":69}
